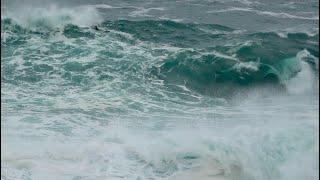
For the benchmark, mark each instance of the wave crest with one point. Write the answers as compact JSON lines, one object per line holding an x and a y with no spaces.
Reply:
{"x":54,"y":16}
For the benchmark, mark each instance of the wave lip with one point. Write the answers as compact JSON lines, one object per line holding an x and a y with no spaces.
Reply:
{"x":54,"y":16}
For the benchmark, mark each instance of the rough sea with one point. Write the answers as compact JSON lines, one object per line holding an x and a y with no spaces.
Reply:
{"x":159,"y":90}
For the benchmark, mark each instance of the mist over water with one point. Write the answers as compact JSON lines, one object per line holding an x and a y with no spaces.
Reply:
{"x":175,"y":90}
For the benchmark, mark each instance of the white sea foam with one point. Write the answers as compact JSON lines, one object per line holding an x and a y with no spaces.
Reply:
{"x":252,"y":66}
{"x":103,"y":6}
{"x":53,"y":16}
{"x":112,"y":131}
{"x":171,"y":19}
{"x":143,"y":12}
{"x":306,"y":81}
{"x":268,"y":13}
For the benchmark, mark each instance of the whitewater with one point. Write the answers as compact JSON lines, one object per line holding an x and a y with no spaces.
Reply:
{"x":159,"y":90}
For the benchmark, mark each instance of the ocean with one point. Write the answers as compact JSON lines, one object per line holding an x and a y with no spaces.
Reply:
{"x":159,"y":90}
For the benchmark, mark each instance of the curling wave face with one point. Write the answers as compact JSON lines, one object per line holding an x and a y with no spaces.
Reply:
{"x":196,"y":55}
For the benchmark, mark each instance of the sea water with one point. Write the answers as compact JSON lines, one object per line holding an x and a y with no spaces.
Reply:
{"x":176,"y":90}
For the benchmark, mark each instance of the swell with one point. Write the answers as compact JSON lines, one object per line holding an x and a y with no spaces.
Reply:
{"x":200,"y":56}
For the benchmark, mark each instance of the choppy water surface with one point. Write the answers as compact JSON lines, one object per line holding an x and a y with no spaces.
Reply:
{"x":173,"y":90}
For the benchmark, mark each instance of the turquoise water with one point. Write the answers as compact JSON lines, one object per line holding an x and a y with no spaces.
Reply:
{"x":159,"y":90}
